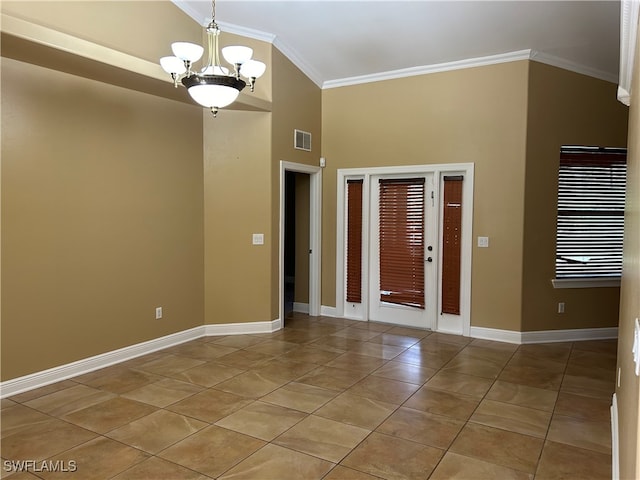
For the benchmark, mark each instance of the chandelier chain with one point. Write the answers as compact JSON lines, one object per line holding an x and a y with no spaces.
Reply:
{"x":213,"y":11}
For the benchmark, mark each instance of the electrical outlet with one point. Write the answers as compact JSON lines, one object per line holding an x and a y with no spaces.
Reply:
{"x":158,"y":313}
{"x":561,"y":307}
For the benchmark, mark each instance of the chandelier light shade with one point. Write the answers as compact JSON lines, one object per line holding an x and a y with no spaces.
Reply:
{"x":213,"y":86}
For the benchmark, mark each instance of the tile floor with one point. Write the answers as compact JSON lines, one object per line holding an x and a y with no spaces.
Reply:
{"x":329,"y":399}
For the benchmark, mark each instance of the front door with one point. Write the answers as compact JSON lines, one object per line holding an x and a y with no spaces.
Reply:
{"x":403,"y":261}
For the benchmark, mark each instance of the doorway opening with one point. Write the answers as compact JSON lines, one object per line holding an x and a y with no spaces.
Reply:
{"x":300,"y":214}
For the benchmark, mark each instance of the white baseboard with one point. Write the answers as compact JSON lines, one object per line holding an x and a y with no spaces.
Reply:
{"x":86,"y":365}
{"x":328,"y":311}
{"x":544,"y":336}
{"x":300,"y":307}
{"x":615,"y":445}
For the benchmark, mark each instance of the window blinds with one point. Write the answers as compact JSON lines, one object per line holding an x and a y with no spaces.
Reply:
{"x":590,"y":222}
{"x":354,"y":241}
{"x":402,"y":241}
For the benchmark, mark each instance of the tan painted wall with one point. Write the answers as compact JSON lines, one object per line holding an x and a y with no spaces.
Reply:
{"x":102,"y":218}
{"x":629,"y":391}
{"x":565,"y":108}
{"x":144,"y":29}
{"x":297,"y":103}
{"x":237,"y":204}
{"x":475,"y":115}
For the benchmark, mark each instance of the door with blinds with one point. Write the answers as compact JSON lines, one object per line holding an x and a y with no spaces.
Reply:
{"x":403,"y":232}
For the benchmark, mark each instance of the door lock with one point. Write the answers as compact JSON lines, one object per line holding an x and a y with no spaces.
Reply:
{"x":429,"y":259}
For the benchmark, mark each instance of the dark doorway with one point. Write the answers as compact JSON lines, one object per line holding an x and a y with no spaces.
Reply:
{"x":296,"y":242}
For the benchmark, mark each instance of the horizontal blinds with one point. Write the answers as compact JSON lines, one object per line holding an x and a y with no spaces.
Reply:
{"x":451,"y":238}
{"x":590,"y":224}
{"x":402,"y":241}
{"x":354,"y":241}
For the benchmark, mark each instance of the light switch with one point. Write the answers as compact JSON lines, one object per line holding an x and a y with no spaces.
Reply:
{"x":258,"y":238}
{"x":483,"y":242}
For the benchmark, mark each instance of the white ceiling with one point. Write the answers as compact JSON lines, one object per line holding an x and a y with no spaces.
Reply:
{"x":342,"y":42}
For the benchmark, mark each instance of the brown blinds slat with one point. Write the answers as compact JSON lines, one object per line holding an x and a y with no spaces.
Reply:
{"x":402,"y":241}
{"x":354,"y":241}
{"x":451,"y":236}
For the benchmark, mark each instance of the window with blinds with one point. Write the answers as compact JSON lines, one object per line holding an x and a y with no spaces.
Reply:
{"x":590,"y":223}
{"x":354,"y":241}
{"x":402,"y":241}
{"x":451,"y":243}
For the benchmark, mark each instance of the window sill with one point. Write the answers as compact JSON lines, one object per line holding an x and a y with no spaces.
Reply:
{"x":598,"y":282}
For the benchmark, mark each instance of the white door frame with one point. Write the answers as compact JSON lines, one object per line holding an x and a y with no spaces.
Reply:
{"x":315,"y":237}
{"x":360,"y":311}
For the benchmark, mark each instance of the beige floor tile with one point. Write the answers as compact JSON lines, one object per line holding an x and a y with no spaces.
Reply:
{"x":532,"y":376}
{"x":210,"y":405}
{"x":393,"y":458}
{"x":373,"y":326}
{"x":157,"y":431}
{"x":414,"y":332}
{"x":44,"y":440}
{"x":394,"y":340}
{"x":123,"y":380}
{"x":251,"y":384}
{"x":356,"y":334}
{"x":336,"y":344}
{"x":343,"y":473}
{"x":332,"y":378}
{"x":208,"y":374}
{"x":525,"y":359}
{"x":244,"y":359}
{"x":405,"y":372}
{"x":505,"y":347}
{"x":470,"y":385}
{"x":42,"y":391}
{"x":299,"y":396}
{"x":560,"y":462}
{"x":273,"y":347}
{"x":279,"y":369}
{"x":169,"y":365}
{"x":378,"y":350}
{"x":201,"y":350}
{"x":353,"y":361}
{"x":579,"y":406}
{"x":458,"y":467}
{"x":69,"y":400}
{"x":597,"y":346}
{"x":20,"y":419}
{"x":489,"y":351}
{"x":275,"y":462}
{"x":509,"y":449}
{"x":212,"y":451}
{"x":105,"y":416}
{"x":237,"y":341}
{"x":469,"y":365}
{"x":163,"y":392}
{"x":97,"y":459}
{"x":6,"y":403}
{"x":323,"y":438}
{"x":583,"y":358}
{"x":261,"y":420}
{"x":416,"y":355}
{"x":523,"y":395}
{"x":582,"y":433}
{"x":557,"y":352}
{"x":440,"y":402}
{"x":604,"y":374}
{"x":588,"y":386}
{"x":383,"y":389}
{"x":158,"y":469}
{"x":355,"y":410}
{"x":514,"y":418}
{"x":422,"y":427}
{"x":311,"y":354}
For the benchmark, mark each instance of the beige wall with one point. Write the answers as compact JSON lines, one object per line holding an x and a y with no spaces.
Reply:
{"x":564,"y":108}
{"x":475,"y":115}
{"x":628,"y":392}
{"x":101,"y":218}
{"x":297,"y":103}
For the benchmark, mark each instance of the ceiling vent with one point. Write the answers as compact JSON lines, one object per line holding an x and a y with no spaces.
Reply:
{"x":302,"y":140}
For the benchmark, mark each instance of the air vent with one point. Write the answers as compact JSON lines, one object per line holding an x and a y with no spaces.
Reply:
{"x":302,"y":140}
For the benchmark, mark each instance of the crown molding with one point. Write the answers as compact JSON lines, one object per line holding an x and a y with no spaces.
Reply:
{"x":572,"y":66}
{"x":426,"y":69}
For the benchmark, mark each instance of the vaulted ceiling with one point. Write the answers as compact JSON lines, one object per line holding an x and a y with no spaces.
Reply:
{"x":341,"y":42}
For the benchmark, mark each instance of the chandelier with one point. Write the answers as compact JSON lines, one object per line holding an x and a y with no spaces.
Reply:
{"x":213,"y":86}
